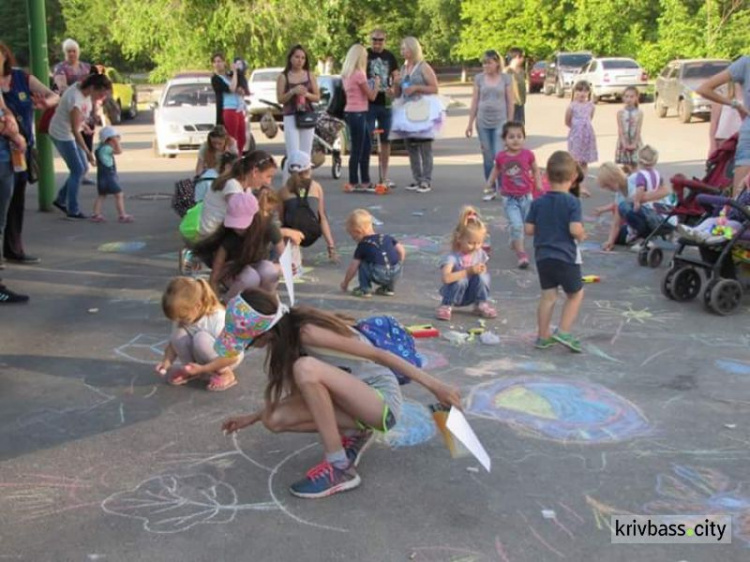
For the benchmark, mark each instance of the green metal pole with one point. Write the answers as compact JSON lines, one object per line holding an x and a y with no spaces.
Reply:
{"x":35,"y":11}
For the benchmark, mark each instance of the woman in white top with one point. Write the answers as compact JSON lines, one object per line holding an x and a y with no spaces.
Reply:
{"x":725,"y":121}
{"x":65,"y":130}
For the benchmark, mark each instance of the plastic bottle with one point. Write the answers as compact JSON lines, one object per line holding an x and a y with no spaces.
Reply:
{"x":18,"y":159}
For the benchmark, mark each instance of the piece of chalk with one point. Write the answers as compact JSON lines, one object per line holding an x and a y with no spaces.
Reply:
{"x":162,"y":371}
{"x":730,"y":425}
{"x":93,"y":310}
{"x":472,"y":469}
{"x":417,"y":214}
{"x":548,"y":514}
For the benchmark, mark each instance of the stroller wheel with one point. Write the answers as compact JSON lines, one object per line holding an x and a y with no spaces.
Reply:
{"x":725,"y":296}
{"x":667,"y":284}
{"x":643,"y":257}
{"x":336,"y":167}
{"x":654,"y":257}
{"x":686,"y":284}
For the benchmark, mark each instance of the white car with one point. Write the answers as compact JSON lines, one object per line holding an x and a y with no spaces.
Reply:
{"x":262,"y":85}
{"x":184,"y":114}
{"x":608,"y":77}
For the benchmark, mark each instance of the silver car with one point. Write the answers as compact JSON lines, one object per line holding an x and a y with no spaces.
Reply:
{"x":608,"y":77}
{"x":676,"y":84}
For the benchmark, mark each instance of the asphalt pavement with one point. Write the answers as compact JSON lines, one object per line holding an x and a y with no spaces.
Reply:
{"x":100,"y":460}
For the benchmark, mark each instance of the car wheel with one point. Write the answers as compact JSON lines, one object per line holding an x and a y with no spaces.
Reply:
{"x":683,"y":112}
{"x":559,"y":90}
{"x":117,"y":114}
{"x":133,"y":109}
{"x":661,"y":109}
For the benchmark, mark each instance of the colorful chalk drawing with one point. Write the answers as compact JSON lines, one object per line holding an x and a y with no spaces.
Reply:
{"x":147,"y":349}
{"x":624,"y":312}
{"x":121,"y":247}
{"x":569,"y":411}
{"x":426,"y":244}
{"x":306,"y":276}
{"x":432,"y":360}
{"x":733,"y":366}
{"x":701,"y":490}
{"x":490,"y":368}
{"x":414,"y":427}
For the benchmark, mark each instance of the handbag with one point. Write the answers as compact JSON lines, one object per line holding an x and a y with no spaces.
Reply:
{"x":45,"y":119}
{"x":184,"y":196}
{"x":417,"y":111}
{"x":306,"y":119}
{"x":32,"y":165}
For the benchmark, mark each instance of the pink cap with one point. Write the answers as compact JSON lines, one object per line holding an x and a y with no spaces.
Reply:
{"x":241,"y":209}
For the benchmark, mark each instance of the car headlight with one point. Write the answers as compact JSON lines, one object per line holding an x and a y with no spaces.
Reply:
{"x":175,"y":128}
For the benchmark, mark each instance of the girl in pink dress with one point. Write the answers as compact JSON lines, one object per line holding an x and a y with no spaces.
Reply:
{"x":581,"y":137}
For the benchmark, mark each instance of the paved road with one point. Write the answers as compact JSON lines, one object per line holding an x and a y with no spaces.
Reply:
{"x":100,"y":461}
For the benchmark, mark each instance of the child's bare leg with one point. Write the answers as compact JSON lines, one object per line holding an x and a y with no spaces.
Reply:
{"x":544,"y":312}
{"x":292,"y":415}
{"x":98,"y":202}
{"x":570,"y":311}
{"x":120,"y":204}
{"x":517,"y":245}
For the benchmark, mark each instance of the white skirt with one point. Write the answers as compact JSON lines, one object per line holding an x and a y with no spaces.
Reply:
{"x":428,"y":127}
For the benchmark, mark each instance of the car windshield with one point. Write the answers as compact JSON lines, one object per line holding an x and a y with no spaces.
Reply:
{"x":265,"y":76}
{"x":540,"y":65}
{"x":703,"y":69}
{"x":189,"y":94}
{"x":621,"y":63}
{"x":574,"y":61}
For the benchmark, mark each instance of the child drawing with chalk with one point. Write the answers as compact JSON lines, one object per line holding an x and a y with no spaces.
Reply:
{"x":198,"y":320}
{"x":555,"y":222}
{"x":325,"y":376}
{"x":464,"y":273}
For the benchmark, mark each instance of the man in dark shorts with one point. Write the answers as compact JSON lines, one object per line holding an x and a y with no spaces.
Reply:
{"x":554,"y":220}
{"x":382,"y":63}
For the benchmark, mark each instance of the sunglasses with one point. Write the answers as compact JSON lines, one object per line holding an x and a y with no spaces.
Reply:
{"x":377,"y":39}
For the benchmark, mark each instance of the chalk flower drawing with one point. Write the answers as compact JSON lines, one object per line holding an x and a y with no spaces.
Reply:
{"x":624,"y":312}
{"x":569,"y":411}
{"x":490,"y":368}
{"x":171,"y":504}
{"x":700,"y":490}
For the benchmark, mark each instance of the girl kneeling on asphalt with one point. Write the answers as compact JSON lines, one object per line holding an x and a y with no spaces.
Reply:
{"x":323,"y":376}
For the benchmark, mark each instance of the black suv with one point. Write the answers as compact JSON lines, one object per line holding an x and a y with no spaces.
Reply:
{"x":562,"y":70}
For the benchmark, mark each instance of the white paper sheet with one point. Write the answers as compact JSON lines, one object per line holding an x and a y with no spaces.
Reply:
{"x":462,"y":431}
{"x":285,"y":261}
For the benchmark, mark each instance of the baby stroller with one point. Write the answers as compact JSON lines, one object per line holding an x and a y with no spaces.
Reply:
{"x":326,"y":140}
{"x":718,"y":178}
{"x":185,"y":204}
{"x":723,"y":291}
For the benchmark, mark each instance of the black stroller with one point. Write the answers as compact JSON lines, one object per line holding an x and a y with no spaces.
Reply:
{"x":723,"y":291}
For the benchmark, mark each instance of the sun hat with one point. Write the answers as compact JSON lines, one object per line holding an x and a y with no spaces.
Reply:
{"x":241,"y":209}
{"x":108,"y":133}
{"x":242,"y":324}
{"x":268,"y":125}
{"x":299,"y":161}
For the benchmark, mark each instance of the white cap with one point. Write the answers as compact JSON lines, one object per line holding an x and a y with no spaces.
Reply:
{"x":299,"y":161}
{"x":107,"y":133}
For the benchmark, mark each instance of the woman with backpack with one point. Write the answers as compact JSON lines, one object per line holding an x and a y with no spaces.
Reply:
{"x":303,"y":206}
{"x":326,"y":374}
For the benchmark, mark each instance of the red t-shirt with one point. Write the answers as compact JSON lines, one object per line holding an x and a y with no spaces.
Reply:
{"x":515,"y":172}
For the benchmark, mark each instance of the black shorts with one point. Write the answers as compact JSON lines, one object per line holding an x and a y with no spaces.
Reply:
{"x":557,"y":273}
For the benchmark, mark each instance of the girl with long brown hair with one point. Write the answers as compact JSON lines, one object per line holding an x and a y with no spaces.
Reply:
{"x":324,"y":377}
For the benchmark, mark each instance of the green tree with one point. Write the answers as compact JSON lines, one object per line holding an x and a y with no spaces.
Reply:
{"x":14,"y":28}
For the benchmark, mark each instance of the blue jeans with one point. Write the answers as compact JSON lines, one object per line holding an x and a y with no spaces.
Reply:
{"x":491,"y":142}
{"x":643,"y":221}
{"x":516,"y":209}
{"x":75,"y":159}
{"x":369,"y":273}
{"x":361,"y":144}
{"x":469,"y":290}
{"x":6,"y":194}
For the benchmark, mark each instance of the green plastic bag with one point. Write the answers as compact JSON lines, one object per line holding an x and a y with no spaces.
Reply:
{"x":191,"y":222}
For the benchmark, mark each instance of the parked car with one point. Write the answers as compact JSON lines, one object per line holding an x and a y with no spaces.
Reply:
{"x":562,"y":71}
{"x":262,"y":85}
{"x":608,"y":77}
{"x":675,"y":87}
{"x":536,"y":76}
{"x":184,"y":114}
{"x":124,"y":97}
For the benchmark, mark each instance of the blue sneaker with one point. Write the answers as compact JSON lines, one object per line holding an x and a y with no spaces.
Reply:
{"x":355,"y":445}
{"x":325,"y":480}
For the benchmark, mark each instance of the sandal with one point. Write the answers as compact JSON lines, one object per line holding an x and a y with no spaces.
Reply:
{"x":443,"y":312}
{"x":126,"y":218}
{"x":98,"y":218}
{"x":180,"y":377}
{"x":219,"y":383}
{"x":484,"y":310}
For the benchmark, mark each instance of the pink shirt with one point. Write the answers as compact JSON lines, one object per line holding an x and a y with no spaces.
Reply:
{"x":356,"y":100}
{"x":515,"y":172}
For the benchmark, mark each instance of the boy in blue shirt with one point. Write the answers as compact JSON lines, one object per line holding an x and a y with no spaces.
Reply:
{"x":377,"y":259}
{"x":554,"y":220}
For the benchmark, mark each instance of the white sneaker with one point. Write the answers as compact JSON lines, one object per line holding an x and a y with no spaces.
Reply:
{"x":489,"y":197}
{"x":638,"y":246}
{"x":424,"y":187}
{"x":685,"y":231}
{"x":412,"y":187}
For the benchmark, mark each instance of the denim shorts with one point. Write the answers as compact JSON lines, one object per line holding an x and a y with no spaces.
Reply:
{"x":557,"y":273}
{"x":742,"y":154}
{"x":384,"y":118}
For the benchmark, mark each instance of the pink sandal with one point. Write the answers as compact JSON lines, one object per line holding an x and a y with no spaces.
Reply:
{"x":443,"y":312}
{"x":126,"y":218}
{"x":98,"y":218}
{"x":218,"y":383}
{"x":484,"y":310}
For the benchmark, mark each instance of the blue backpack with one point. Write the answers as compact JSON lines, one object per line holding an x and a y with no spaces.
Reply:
{"x":385,"y":332}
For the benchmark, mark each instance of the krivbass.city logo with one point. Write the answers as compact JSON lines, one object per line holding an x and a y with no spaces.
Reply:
{"x":671,"y":529}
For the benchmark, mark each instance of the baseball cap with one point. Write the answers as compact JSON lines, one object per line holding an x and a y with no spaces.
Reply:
{"x":107,"y":133}
{"x":299,"y":161}
{"x":241,"y":209}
